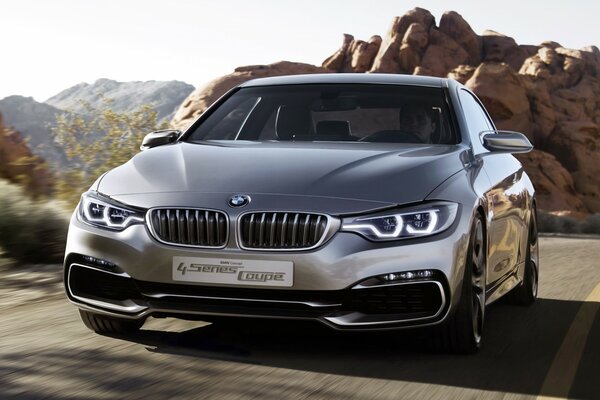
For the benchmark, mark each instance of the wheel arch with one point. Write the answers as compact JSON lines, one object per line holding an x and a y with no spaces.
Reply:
{"x":478,"y":211}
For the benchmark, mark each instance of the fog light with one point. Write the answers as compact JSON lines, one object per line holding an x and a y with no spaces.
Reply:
{"x":100,"y":263}
{"x":404,"y":276}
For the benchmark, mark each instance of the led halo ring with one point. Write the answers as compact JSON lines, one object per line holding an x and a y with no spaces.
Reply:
{"x":107,"y":220}
{"x":415,"y":222}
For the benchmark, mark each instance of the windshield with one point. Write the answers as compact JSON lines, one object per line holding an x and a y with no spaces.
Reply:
{"x":330,"y":112}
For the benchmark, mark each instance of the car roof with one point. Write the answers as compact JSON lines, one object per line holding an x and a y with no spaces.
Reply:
{"x":382,"y":79}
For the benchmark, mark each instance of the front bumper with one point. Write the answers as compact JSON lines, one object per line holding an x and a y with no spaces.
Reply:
{"x":137,"y":280}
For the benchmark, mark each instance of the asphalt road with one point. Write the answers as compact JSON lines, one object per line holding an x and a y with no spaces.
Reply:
{"x":551,"y":349}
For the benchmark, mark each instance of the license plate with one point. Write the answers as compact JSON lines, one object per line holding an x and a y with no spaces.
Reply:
{"x":233,"y":272}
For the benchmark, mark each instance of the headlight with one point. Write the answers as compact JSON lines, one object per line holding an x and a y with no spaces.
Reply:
{"x":99,"y":211}
{"x":424,"y":220}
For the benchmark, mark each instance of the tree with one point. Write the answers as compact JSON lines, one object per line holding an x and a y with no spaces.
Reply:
{"x":97,"y":142}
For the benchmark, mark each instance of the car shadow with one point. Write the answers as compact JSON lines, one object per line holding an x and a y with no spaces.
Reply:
{"x":520,"y":346}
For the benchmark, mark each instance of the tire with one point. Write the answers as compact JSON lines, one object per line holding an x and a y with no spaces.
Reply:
{"x":526,"y":293}
{"x":462,"y":333}
{"x":110,"y":325}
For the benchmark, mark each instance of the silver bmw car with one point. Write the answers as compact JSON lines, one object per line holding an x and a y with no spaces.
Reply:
{"x":362,"y":201}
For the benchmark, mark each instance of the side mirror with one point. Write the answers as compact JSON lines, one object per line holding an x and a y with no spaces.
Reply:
{"x":158,"y":138}
{"x":505,"y":142}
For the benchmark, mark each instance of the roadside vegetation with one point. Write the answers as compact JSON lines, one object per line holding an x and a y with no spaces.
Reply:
{"x":31,"y":231}
{"x":550,"y":223}
{"x":97,"y":144}
{"x":33,"y":228}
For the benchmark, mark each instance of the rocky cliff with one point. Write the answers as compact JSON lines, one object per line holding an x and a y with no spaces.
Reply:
{"x":19,"y":165}
{"x":549,"y":92}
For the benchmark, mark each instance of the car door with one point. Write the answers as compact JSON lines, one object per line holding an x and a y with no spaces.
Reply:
{"x":506,"y":196}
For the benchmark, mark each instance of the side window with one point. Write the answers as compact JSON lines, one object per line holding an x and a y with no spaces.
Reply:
{"x":476,"y":119}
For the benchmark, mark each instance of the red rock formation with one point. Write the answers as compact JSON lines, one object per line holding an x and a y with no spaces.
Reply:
{"x":354,"y":55}
{"x":510,"y":106}
{"x":388,"y":57}
{"x":453,"y":25}
{"x":19,"y":165}
{"x":442,"y":55}
{"x":550,"y":177}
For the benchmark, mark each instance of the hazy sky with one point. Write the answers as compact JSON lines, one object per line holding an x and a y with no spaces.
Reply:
{"x":48,"y":46}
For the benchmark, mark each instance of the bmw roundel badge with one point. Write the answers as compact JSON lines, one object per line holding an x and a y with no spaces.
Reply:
{"x":239,"y":200}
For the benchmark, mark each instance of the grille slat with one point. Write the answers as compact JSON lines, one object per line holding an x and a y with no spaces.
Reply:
{"x":261,"y":229}
{"x":295,"y":230}
{"x":222,"y":225}
{"x":164,"y":223}
{"x":189,"y":227}
{"x":283,"y":230}
{"x":217,"y":228}
{"x":273,"y":225}
{"x":210,"y":228}
{"x":181,"y":225}
{"x":201,"y":227}
{"x":251,"y":229}
{"x":286,"y":230}
{"x":305,"y":230}
{"x":317,"y":228}
{"x":172,"y":226}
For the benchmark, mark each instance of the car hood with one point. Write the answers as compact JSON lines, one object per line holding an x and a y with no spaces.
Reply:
{"x":325,"y":177}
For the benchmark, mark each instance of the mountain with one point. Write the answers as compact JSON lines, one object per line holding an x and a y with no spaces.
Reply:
{"x":549,"y":92}
{"x":33,"y":121}
{"x":164,"y":96}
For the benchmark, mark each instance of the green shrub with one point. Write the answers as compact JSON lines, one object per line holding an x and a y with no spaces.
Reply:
{"x":591,"y":225}
{"x":31,"y":231}
{"x":547,"y":222}
{"x":551,"y":223}
{"x":98,"y":143}
{"x":568,"y":225}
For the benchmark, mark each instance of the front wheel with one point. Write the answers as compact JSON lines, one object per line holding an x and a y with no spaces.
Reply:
{"x":110,"y":325}
{"x":463,"y":332}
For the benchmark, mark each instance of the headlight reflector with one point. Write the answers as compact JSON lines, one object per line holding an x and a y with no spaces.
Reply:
{"x":99,"y":211}
{"x":421,"y":223}
{"x":412,"y":222}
